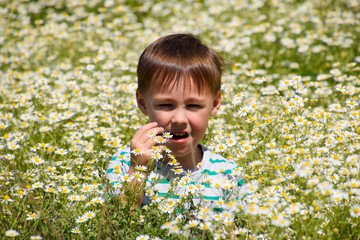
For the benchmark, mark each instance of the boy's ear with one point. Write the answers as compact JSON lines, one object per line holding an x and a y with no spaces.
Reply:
{"x":141,"y":102}
{"x":216,"y":103}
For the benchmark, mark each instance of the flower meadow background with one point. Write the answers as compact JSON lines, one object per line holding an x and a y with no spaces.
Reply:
{"x":290,"y":116}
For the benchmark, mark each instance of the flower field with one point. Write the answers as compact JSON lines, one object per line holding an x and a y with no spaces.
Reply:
{"x":290,"y":117}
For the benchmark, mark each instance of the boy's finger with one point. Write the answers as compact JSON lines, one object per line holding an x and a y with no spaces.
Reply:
{"x":151,"y":134}
{"x":148,"y":130}
{"x":150,"y":142}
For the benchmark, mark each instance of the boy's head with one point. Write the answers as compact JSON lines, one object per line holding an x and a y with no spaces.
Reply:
{"x":179,"y":88}
{"x":179,"y":57}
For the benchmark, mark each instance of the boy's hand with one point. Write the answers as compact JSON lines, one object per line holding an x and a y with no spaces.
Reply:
{"x":143,"y":142}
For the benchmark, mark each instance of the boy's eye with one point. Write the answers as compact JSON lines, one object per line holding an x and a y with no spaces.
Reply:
{"x":194,"y":106}
{"x":164,"y":105}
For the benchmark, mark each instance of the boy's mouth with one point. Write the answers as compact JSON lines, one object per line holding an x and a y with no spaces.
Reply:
{"x":178,"y":136}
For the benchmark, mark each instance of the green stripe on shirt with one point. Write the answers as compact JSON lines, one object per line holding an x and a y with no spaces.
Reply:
{"x":212,"y":173}
{"x":217,"y":161}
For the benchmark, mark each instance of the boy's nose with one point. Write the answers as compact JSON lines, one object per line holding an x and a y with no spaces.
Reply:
{"x":179,"y":117}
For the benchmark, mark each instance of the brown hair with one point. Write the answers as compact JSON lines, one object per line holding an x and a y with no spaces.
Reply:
{"x":177,"y":57}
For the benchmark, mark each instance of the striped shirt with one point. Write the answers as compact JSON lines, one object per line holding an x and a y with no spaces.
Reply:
{"x":215,"y":179}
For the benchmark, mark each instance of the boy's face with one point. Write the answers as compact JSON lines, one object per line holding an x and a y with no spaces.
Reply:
{"x":182,"y":111}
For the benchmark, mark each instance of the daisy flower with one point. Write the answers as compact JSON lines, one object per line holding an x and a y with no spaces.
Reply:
{"x":61,"y":151}
{"x":221,"y":148}
{"x":36,"y":237}
{"x":3,"y":125}
{"x":152,"y":134}
{"x":173,"y":162}
{"x":167,"y":135}
{"x":7,"y":199}
{"x":50,"y":189}
{"x":296,"y":79}
{"x":156,"y":156}
{"x":127,"y":178}
{"x":288,"y":82}
{"x":81,"y":219}
{"x":11,"y":233}
{"x":205,"y":225}
{"x":90,"y":67}
{"x":9,"y":156}
{"x":138,"y":176}
{"x":280,"y":221}
{"x":143,"y":237}
{"x":89,"y":214}
{"x":37,"y":185}
{"x":299,"y":120}
{"x":141,"y":168}
{"x":167,"y":150}
{"x":32,"y":216}
{"x":193,"y":223}
{"x":238,"y":99}
{"x":75,"y":230}
{"x":247,"y":147}
{"x":351,"y":104}
{"x":64,"y":189}
{"x":355,"y":211}
{"x":137,"y":151}
{"x":250,"y":73}
{"x":161,"y":140}
{"x":36,"y":160}
{"x":259,"y":80}
{"x":73,"y":197}
{"x":85,"y":188}
{"x":244,"y":111}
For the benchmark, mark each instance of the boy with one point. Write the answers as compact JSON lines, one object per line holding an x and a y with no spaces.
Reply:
{"x":179,"y":82}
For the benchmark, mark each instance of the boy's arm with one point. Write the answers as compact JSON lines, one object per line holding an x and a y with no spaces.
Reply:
{"x":141,"y":145}
{"x":135,"y":188}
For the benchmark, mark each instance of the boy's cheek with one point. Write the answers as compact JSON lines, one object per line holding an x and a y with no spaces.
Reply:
{"x":158,"y":117}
